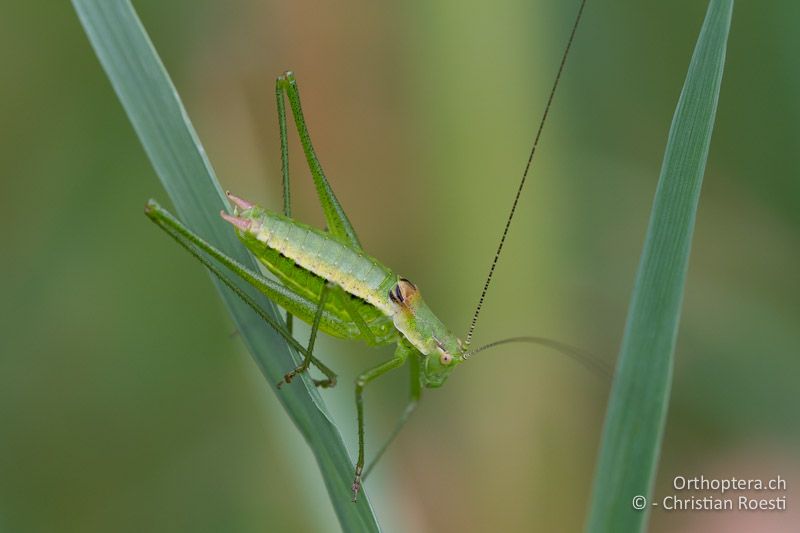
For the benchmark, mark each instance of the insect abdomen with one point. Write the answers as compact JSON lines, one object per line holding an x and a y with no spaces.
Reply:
{"x":327,"y":257}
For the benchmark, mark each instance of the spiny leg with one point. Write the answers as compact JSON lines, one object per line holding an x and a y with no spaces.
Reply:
{"x":196,"y":246}
{"x":227,"y":281}
{"x":330,"y":382}
{"x":337,"y":220}
{"x":366,"y":377}
{"x":414,"y":394}
{"x":287,"y":194}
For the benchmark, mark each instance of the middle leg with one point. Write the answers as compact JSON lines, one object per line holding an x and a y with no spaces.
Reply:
{"x":400,"y":356}
{"x":303,"y":367}
{"x":414,"y":395}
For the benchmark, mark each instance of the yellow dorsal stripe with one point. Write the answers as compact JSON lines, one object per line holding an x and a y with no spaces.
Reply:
{"x":327,"y":257}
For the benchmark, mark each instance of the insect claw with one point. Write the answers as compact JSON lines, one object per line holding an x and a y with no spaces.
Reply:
{"x":325,"y":383}
{"x":238,"y":202}
{"x":357,"y":484}
{"x":240,"y":223}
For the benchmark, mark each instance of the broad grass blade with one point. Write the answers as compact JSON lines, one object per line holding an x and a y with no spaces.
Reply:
{"x":637,"y":408}
{"x":160,"y":120}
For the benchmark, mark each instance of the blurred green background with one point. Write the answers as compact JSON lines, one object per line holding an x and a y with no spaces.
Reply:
{"x":128,"y":404}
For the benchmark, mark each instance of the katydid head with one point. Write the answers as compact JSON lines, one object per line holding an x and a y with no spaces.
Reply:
{"x":442,"y":351}
{"x":437,"y":366}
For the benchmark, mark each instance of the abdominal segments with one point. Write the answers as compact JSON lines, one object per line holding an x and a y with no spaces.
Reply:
{"x":328,"y":258}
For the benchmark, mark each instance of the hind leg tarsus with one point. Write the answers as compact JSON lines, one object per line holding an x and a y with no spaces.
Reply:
{"x":309,"y":357}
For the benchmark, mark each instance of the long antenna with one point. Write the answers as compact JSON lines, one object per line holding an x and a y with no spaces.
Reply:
{"x":589,"y":360}
{"x":525,"y":173}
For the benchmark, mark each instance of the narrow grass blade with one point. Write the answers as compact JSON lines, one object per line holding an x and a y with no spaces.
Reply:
{"x":158,"y":116}
{"x":640,"y":394}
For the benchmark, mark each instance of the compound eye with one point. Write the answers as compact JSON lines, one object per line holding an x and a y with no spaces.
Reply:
{"x":444,"y":357}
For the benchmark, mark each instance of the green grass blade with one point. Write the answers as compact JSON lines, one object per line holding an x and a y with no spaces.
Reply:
{"x":637,"y":408}
{"x":158,"y":116}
